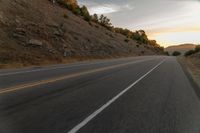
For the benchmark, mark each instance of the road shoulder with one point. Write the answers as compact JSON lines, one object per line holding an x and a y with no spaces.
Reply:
{"x":191,"y":67}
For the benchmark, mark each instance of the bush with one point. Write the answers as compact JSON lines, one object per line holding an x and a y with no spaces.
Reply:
{"x":64,"y":4}
{"x":87,"y":18}
{"x":73,"y":7}
{"x":190,"y":52}
{"x":104,"y":21}
{"x":176,"y":53}
{"x":85,"y":13}
{"x":197,"y":48}
{"x":95,"y":18}
{"x":76,"y":11}
{"x":126,"y":40}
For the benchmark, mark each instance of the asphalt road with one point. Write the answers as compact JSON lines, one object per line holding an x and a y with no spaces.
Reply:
{"x":148,"y":94}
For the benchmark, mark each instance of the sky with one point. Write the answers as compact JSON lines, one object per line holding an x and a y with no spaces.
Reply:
{"x":170,"y":22}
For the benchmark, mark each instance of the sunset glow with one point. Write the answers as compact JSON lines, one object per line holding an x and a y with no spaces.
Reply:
{"x":175,"y":38}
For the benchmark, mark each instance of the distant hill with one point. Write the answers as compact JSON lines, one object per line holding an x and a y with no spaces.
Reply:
{"x":181,"y":48}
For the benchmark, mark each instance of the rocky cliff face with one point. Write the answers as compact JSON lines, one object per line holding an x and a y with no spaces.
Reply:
{"x":35,"y":32}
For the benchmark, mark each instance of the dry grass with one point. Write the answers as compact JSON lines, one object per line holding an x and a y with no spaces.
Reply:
{"x":193,"y":67}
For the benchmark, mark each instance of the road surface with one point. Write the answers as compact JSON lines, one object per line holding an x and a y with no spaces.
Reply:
{"x":148,"y":94}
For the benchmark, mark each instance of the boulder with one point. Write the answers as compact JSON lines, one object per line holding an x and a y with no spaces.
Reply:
{"x":58,"y":33}
{"x":20,"y":31}
{"x":35,"y":43}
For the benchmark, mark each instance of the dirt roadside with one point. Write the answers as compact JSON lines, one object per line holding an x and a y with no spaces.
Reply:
{"x":191,"y":66}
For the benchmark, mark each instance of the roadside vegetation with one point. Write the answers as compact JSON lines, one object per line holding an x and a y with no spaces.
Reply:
{"x":192,"y":63}
{"x":140,"y":36}
{"x":191,"y":52}
{"x":176,"y":53}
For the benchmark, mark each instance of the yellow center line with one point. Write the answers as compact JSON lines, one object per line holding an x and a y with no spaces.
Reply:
{"x":47,"y":81}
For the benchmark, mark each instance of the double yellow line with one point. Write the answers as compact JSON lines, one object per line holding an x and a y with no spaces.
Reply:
{"x":48,"y":81}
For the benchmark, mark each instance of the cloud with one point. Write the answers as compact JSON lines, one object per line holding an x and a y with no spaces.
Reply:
{"x":106,"y":6}
{"x":109,"y":8}
{"x":103,"y":9}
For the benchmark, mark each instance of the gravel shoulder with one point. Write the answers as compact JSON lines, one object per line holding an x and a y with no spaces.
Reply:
{"x":191,"y":67}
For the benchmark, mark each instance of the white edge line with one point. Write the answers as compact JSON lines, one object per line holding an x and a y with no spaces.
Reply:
{"x":53,"y":68}
{"x":98,"y":111}
{"x":45,"y":69}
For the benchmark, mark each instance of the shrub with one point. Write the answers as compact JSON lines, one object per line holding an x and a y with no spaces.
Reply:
{"x":85,"y":13}
{"x":87,"y":18}
{"x":95,"y":18}
{"x":76,"y":11}
{"x":65,"y":4}
{"x":104,"y":21}
{"x":176,"y":53}
{"x":73,"y":7}
{"x":127,"y":40}
{"x":190,"y":52}
{"x":197,"y":48}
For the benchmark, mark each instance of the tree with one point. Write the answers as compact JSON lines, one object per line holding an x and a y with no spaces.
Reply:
{"x":76,"y":10}
{"x":85,"y":13}
{"x":104,"y":21}
{"x":124,"y":32}
{"x":176,"y":53}
{"x":136,"y":36}
{"x":143,"y":37}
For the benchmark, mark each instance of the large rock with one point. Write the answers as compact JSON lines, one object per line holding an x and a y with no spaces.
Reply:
{"x":58,"y":32}
{"x":21,"y":31}
{"x":35,"y":43}
{"x":3,"y":19}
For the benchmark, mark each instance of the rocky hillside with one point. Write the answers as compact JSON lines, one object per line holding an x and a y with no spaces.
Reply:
{"x":35,"y":32}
